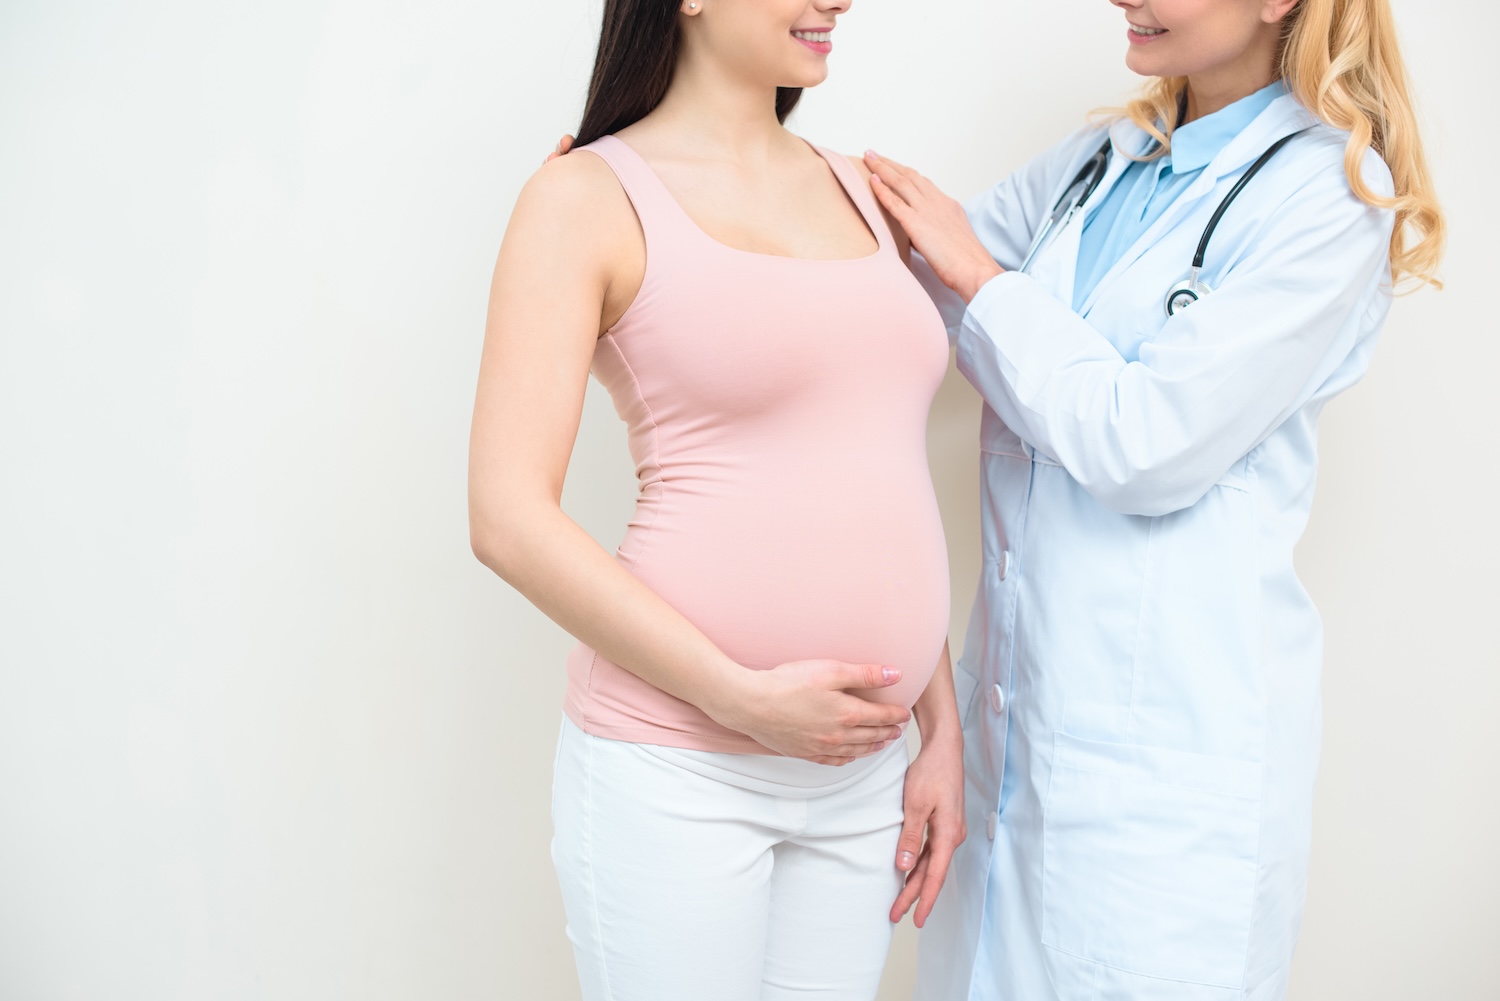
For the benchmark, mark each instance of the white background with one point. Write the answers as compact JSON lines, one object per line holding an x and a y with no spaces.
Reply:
{"x":268,"y":731}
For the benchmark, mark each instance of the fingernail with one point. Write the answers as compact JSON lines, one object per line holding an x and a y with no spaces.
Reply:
{"x":890,"y":674}
{"x":872,"y":153}
{"x":905,"y":860}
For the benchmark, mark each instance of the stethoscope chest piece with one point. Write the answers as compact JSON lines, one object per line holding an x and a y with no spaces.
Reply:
{"x":1192,"y":288}
{"x":1185,"y":293}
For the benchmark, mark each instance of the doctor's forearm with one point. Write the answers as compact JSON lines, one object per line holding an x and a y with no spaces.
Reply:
{"x":1148,"y":413}
{"x":950,"y":304}
{"x":1121,"y":430}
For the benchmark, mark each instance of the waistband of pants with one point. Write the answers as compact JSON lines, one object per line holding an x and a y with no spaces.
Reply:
{"x":775,"y":775}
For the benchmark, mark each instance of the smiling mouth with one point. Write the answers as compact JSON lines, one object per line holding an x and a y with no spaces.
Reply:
{"x":1136,"y":29}
{"x":819,"y":40}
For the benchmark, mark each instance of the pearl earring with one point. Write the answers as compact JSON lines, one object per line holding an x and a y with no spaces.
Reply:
{"x":692,"y":6}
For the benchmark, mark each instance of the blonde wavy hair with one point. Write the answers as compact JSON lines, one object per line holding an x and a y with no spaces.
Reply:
{"x":1340,"y":60}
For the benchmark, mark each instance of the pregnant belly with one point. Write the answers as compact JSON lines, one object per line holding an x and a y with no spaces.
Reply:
{"x":866,"y":588}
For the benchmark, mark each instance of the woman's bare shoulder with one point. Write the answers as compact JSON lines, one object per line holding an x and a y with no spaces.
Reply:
{"x":574,"y":208}
{"x":578,"y":184}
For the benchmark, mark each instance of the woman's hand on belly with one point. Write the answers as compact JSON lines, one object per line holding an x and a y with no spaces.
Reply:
{"x":804,"y":709}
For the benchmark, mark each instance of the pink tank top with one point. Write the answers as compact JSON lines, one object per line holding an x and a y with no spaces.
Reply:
{"x":777,"y":410}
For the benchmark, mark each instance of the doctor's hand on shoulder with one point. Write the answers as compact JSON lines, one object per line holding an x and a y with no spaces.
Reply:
{"x":564,"y":145}
{"x":937,"y":225}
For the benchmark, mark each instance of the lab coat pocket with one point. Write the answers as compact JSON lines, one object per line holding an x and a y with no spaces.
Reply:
{"x":1149,"y":859}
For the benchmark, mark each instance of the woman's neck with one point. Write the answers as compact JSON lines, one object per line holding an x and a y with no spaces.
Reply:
{"x":726,"y":118}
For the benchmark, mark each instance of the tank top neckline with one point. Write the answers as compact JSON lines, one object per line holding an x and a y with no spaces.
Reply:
{"x":875,"y":227}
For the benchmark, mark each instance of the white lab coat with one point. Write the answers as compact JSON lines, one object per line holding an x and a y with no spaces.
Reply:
{"x":1140,"y":681}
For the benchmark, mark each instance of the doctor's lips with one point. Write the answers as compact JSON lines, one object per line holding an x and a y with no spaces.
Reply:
{"x":1139,"y":34}
{"x":817,"y":39}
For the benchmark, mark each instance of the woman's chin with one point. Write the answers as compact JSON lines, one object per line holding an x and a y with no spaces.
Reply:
{"x":806,"y":78}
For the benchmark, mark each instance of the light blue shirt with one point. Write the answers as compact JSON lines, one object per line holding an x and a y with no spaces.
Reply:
{"x":1148,"y":188}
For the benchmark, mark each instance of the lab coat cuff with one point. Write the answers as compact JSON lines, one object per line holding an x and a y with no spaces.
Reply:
{"x":995,"y":289}
{"x":1016,"y":331}
{"x":950,"y":304}
{"x":991,"y":313}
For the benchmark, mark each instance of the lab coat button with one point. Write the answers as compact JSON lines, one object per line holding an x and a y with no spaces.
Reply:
{"x":997,"y":699}
{"x":989,"y":827}
{"x":1005,"y":564}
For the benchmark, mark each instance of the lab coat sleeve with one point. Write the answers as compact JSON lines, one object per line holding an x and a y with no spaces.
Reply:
{"x":1152,"y":436}
{"x":1006,"y":216}
{"x":949,"y":303}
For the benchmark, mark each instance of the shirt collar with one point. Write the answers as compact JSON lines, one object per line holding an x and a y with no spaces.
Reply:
{"x":1195,"y":144}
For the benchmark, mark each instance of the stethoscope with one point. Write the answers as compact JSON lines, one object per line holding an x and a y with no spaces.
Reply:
{"x":1185,"y":292}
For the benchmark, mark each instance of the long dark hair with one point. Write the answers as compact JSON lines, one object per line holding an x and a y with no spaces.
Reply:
{"x":637,"y":55}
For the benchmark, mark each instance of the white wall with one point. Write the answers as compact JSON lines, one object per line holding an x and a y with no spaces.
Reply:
{"x":267,"y":731}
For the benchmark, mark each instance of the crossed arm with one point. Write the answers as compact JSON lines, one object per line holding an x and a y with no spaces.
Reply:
{"x":1152,"y":435}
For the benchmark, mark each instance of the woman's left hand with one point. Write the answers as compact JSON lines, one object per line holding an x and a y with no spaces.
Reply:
{"x":938,"y":226}
{"x":935,"y":804}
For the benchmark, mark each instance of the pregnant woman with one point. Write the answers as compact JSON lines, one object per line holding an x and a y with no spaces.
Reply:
{"x":732,"y":804}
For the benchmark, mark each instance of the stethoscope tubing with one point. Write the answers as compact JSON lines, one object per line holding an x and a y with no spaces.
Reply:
{"x":1092,"y":174}
{"x":1234,"y":192}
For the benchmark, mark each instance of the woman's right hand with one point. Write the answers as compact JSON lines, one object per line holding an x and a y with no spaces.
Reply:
{"x":804,"y":709}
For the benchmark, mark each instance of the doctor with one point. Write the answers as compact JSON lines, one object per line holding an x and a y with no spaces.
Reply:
{"x":1140,"y":683}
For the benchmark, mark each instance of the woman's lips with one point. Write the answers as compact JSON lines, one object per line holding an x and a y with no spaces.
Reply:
{"x":817,"y":40}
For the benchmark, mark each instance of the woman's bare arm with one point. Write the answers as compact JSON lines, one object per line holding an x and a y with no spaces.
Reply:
{"x":934,"y":824}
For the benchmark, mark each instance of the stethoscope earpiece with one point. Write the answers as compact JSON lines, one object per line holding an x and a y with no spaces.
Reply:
{"x":1185,"y":293}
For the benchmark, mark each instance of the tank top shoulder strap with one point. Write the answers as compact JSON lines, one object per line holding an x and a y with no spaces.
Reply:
{"x":662,"y":219}
{"x":860,"y":193}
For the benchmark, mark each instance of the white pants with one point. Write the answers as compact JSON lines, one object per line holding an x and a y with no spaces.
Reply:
{"x":698,"y":876}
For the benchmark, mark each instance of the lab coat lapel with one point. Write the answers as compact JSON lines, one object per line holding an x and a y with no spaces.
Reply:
{"x":1283,"y":117}
{"x":1056,"y":267}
